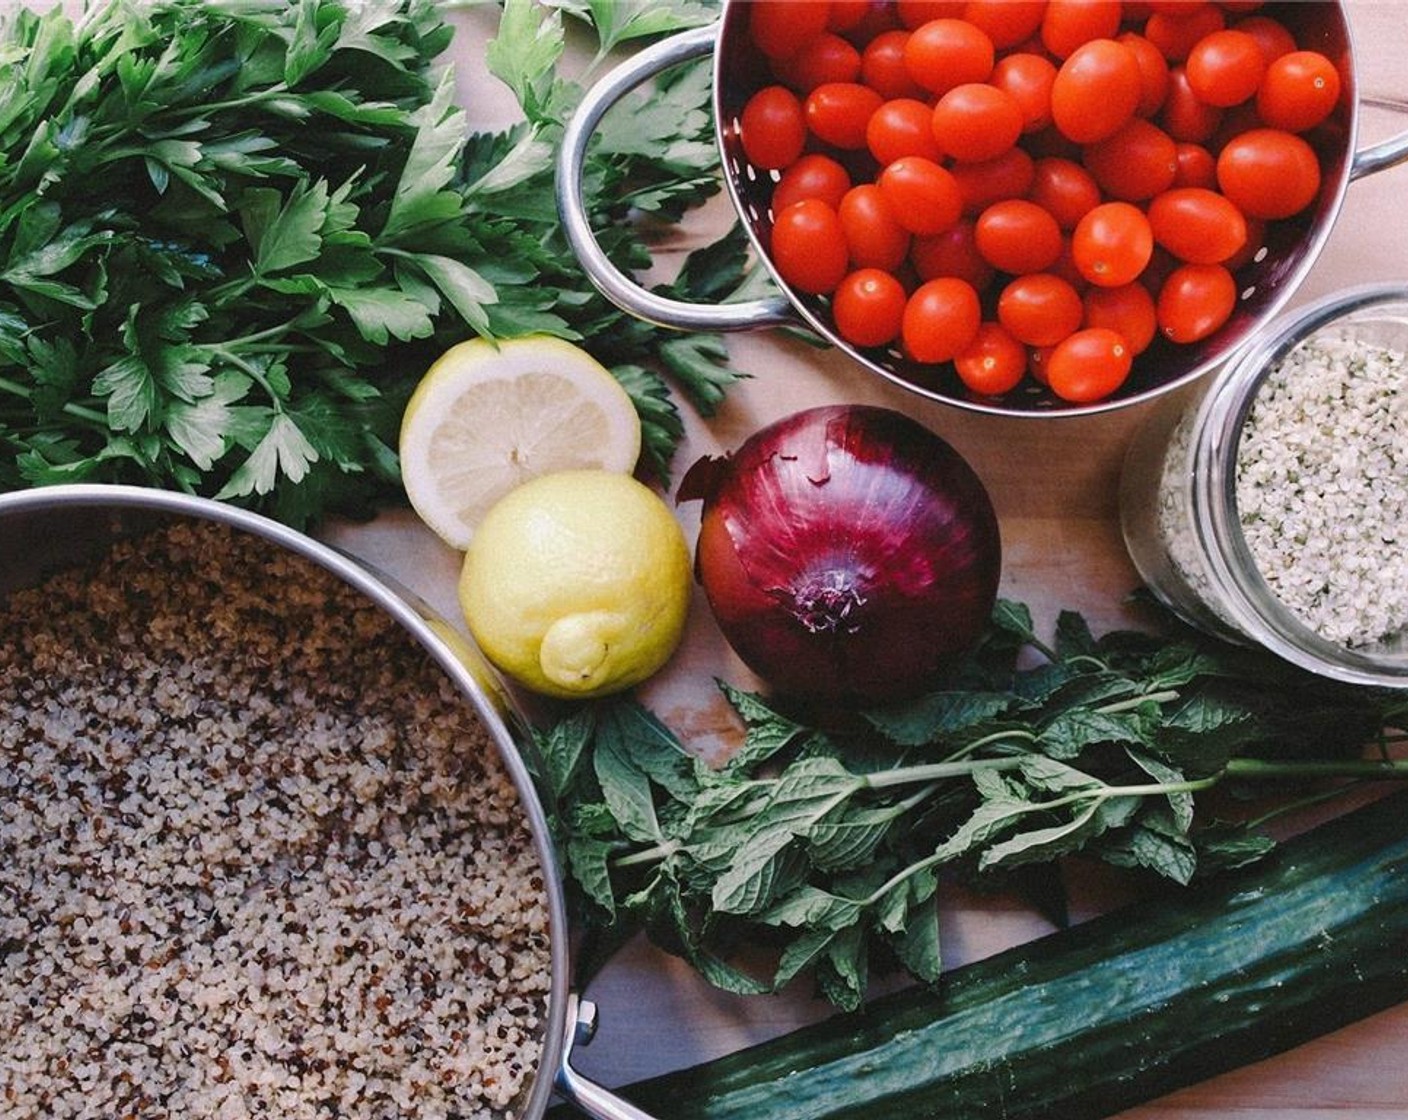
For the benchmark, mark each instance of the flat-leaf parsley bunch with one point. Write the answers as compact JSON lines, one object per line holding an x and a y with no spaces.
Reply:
{"x":829,"y":844}
{"x":233,"y":235}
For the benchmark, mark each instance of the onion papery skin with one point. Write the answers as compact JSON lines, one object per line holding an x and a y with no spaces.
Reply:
{"x":847,"y":552}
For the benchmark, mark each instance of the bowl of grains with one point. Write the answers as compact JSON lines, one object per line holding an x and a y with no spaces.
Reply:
{"x":267,"y":843}
{"x":1274,"y":508}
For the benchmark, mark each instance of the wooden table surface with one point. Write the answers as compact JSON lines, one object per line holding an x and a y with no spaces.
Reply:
{"x":1054,"y":485}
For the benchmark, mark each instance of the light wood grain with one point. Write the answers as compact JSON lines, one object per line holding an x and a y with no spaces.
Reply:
{"x":1054,"y":484}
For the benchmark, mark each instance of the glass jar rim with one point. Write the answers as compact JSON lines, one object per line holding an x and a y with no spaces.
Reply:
{"x":1217,"y":429}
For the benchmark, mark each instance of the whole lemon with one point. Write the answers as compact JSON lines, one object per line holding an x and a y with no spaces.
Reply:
{"x":577,"y":583}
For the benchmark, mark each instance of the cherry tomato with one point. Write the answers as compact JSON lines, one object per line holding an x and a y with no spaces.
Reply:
{"x":1153,"y":72}
{"x":1225,"y":68}
{"x":827,"y":58}
{"x":1027,"y":79}
{"x":812,"y":176}
{"x":772,"y":128}
{"x":1136,"y":163}
{"x":1039,"y":309}
{"x":1197,"y":225}
{"x":882,"y":66}
{"x":991,"y":180}
{"x":941,"y":317}
{"x":873,"y":237}
{"x":1065,"y":189}
{"x":902,"y":126}
{"x":954,"y":252}
{"x":1096,"y":90}
{"x":924,"y":196}
{"x":1067,"y":24}
{"x":1018,"y":236}
{"x":808,"y":247}
{"x":1183,"y":116}
{"x":1196,"y":166}
{"x":1006,"y":22}
{"x":1298,"y":91}
{"x":847,"y":15}
{"x":868,"y":307}
{"x":1273,"y":36}
{"x":838,"y":112}
{"x":1195,"y":300}
{"x":913,"y":13}
{"x":1127,"y":310}
{"x":1176,"y":33}
{"x":976,"y":121}
{"x":944,"y":53}
{"x":993,"y":363}
{"x":780,"y":28}
{"x":1112,"y":244}
{"x":1268,"y":173}
{"x":1089,"y":365}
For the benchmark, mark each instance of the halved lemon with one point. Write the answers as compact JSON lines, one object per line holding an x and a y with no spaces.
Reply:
{"x":489,"y":416}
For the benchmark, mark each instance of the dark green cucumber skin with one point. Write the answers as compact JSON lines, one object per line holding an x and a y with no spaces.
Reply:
{"x":1107,"y":1014}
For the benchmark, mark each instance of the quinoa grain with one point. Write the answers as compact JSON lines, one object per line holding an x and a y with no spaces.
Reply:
{"x":258,"y":857}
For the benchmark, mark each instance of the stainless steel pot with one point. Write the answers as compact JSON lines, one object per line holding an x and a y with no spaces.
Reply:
{"x":59,"y":527}
{"x":1291,"y":247}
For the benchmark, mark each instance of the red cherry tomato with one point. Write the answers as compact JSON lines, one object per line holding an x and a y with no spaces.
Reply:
{"x":1183,"y":116}
{"x":1153,"y":72}
{"x":944,"y":53}
{"x":976,"y":121}
{"x":838,"y":113}
{"x":873,"y":237}
{"x":1065,"y":189}
{"x":1272,"y":35}
{"x":1225,"y":68}
{"x":868,"y":307}
{"x":1196,"y":166}
{"x":1096,"y":90}
{"x":812,"y":176}
{"x":1089,"y":365}
{"x":1039,"y":309}
{"x":1176,"y":32}
{"x":1197,"y":225}
{"x":847,"y":15}
{"x":1298,"y":91}
{"x":991,"y":180}
{"x":1005,"y":22}
{"x":954,"y":252}
{"x":1112,"y":244}
{"x":1027,"y":79}
{"x":1136,"y":163}
{"x":913,"y":13}
{"x":780,"y":28}
{"x":1069,"y":23}
{"x":924,"y":196}
{"x":1268,"y":173}
{"x":772,"y":128}
{"x":1127,"y":310}
{"x":808,"y":247}
{"x":993,"y":363}
{"x":940,"y":318}
{"x":1018,"y":237}
{"x":1195,"y":300}
{"x":902,"y":126}
{"x":827,"y":58}
{"x":882,"y":66}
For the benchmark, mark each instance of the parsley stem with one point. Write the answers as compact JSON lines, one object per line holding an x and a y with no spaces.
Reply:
{"x":78,"y":411}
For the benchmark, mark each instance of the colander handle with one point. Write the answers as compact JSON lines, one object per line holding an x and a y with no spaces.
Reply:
{"x":612,"y":283}
{"x":1386,"y":153}
{"x":587,"y":1096}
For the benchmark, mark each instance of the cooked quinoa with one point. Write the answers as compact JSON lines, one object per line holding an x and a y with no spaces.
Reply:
{"x":258,"y":857}
{"x":1322,"y":487}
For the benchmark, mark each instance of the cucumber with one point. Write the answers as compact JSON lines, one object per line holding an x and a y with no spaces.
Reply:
{"x":1105,"y":1015}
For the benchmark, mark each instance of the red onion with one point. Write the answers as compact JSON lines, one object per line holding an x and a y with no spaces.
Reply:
{"x":847,"y":552}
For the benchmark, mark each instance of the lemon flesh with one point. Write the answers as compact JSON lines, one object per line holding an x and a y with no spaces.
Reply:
{"x":577,"y":583}
{"x":487,"y":417}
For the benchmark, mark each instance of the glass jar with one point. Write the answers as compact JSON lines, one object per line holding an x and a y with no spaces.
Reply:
{"x":1247,"y":535}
